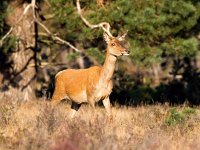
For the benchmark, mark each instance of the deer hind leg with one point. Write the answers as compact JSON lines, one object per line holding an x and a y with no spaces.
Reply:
{"x":74,"y":108}
{"x":58,"y":95}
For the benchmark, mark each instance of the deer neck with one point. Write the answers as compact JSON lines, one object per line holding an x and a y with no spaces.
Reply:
{"x":108,"y":68}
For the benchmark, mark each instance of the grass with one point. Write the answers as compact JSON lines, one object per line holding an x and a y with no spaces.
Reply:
{"x":36,"y":125}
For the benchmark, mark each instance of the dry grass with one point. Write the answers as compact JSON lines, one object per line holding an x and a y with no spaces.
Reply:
{"x":36,"y":125}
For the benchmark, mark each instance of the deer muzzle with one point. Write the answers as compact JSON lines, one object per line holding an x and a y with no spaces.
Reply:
{"x":126,"y":52}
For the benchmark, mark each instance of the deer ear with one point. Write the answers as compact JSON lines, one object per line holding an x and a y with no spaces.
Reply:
{"x":106,"y":37}
{"x":123,"y":36}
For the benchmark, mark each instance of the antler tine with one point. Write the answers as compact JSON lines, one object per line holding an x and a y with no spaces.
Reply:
{"x":104,"y":25}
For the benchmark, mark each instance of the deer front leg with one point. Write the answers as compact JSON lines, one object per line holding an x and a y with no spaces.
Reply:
{"x":106,"y":103}
{"x":91,"y":101}
{"x":74,"y":108}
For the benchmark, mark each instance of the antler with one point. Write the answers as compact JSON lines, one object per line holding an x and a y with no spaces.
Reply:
{"x":104,"y":25}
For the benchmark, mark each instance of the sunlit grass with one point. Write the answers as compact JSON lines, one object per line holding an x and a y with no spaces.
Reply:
{"x":37,"y":125}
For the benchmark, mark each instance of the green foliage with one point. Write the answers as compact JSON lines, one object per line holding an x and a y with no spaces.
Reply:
{"x":154,"y":26}
{"x":73,"y":56}
{"x":96,"y":54}
{"x":9,"y":44}
{"x":181,"y":47}
{"x":189,"y":111}
{"x":179,"y":116}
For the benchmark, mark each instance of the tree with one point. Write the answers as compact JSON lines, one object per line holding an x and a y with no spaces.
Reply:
{"x":20,"y":76}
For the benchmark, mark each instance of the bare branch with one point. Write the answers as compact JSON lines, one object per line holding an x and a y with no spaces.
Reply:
{"x":5,"y":36}
{"x":44,"y":64}
{"x":54,"y":37}
{"x":33,"y":4}
{"x":104,"y":25}
{"x":20,"y":18}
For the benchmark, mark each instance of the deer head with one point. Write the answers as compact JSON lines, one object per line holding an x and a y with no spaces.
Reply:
{"x":117,"y":46}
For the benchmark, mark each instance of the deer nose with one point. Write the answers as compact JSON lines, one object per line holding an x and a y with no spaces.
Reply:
{"x":127,"y":51}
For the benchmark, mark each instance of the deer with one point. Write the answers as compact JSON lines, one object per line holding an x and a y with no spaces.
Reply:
{"x":92,"y":84}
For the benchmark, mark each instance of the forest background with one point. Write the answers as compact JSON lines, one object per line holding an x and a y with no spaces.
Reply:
{"x":164,"y":36}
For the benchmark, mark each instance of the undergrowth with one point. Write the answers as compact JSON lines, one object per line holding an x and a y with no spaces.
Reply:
{"x":176,"y":116}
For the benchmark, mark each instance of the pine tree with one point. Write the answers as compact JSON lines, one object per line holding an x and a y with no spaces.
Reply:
{"x":155,"y":27}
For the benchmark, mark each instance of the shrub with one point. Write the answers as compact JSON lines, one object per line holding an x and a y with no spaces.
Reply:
{"x":176,"y":116}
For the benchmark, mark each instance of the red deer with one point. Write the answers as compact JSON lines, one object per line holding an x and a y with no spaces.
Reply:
{"x":92,"y":84}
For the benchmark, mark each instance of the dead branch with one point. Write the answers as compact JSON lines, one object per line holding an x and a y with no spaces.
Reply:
{"x":45,"y":64}
{"x":53,"y":36}
{"x":5,"y":36}
{"x":104,"y":25}
{"x":11,"y":29}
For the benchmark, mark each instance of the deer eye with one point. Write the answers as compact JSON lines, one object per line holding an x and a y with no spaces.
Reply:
{"x":113,"y":44}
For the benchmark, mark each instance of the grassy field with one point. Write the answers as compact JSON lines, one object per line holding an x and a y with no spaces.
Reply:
{"x":35,"y":125}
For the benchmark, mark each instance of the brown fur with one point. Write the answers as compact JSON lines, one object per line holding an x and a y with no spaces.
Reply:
{"x":92,"y":84}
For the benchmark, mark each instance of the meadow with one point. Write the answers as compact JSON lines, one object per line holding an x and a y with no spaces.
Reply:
{"x":36,"y":125}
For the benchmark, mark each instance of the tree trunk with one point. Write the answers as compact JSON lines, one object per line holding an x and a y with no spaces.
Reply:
{"x":23,"y":77}
{"x":156,"y":76}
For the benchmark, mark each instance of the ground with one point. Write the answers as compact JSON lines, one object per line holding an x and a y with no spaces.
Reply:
{"x":37,"y":125}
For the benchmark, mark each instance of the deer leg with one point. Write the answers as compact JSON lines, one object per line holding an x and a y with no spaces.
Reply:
{"x":57,"y":97}
{"x":91,"y":102}
{"x":106,"y":103}
{"x":74,"y":109}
